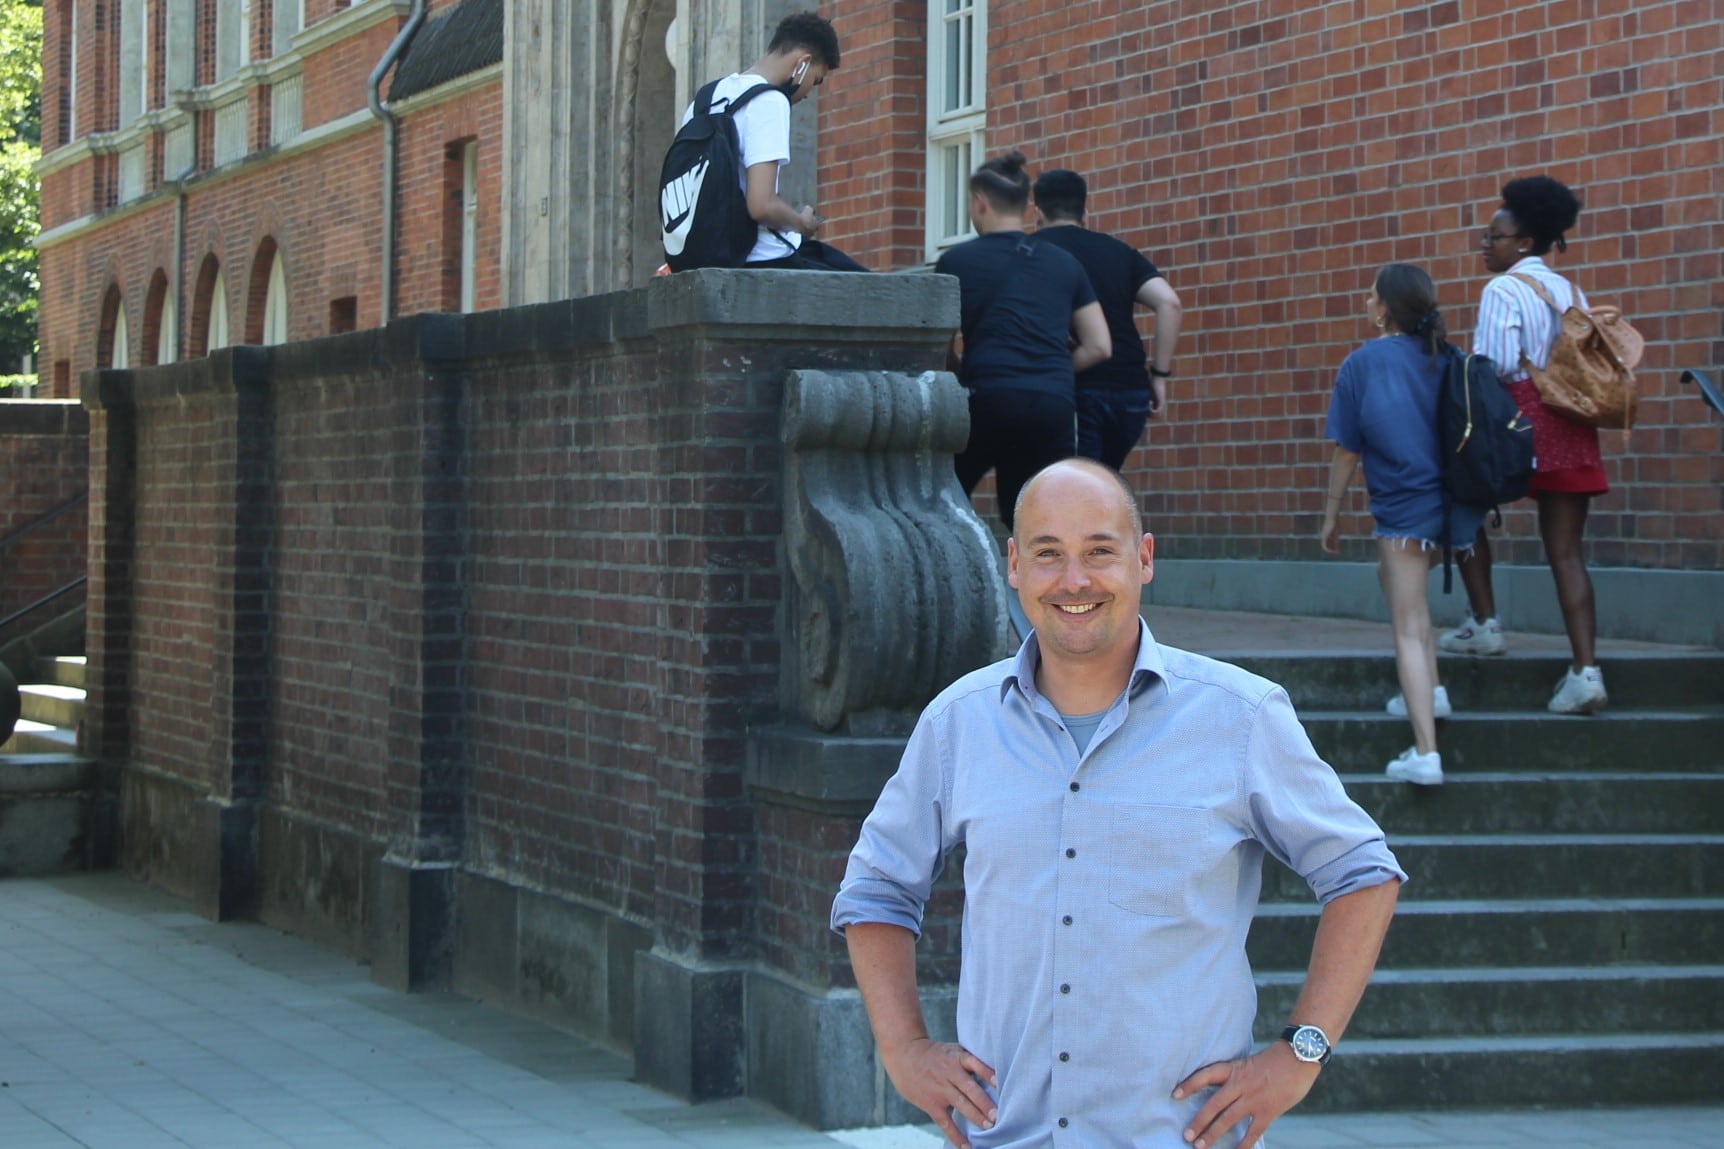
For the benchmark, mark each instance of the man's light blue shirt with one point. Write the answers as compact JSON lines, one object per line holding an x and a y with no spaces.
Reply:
{"x":1107,"y":894}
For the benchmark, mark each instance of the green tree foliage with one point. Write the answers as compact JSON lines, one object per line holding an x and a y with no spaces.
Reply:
{"x":20,"y":148}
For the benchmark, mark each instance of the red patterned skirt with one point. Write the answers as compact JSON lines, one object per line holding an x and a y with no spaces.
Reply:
{"x":1566,"y":455}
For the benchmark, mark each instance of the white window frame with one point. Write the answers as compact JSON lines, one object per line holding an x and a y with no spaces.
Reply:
{"x":469,"y":220}
{"x":122,"y":349}
{"x":244,"y":32}
{"x":144,"y":51}
{"x":275,"y":304}
{"x":956,"y":119}
{"x":218,"y":316}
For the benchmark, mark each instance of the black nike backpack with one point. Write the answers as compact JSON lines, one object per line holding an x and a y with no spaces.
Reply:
{"x":702,"y":206}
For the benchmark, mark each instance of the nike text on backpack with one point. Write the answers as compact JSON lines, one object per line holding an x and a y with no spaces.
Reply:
{"x":701,"y":202}
{"x":1590,"y":375}
{"x":1485,"y":443}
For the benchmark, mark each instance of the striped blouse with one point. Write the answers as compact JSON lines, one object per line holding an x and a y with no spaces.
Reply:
{"x":1513,"y":319}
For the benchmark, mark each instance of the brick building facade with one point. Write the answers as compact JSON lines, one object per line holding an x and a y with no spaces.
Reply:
{"x":213,"y":175}
{"x":1267,"y":155}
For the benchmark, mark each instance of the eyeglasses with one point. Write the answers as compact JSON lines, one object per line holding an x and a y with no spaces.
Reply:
{"x":1494,"y":237}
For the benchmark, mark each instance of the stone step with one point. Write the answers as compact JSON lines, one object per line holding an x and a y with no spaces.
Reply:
{"x":1521,"y":932}
{"x":45,"y":773}
{"x":1670,"y":740}
{"x":1563,"y":803}
{"x":64,"y":670}
{"x":1416,"y":1003}
{"x":1365,"y":680}
{"x":40,"y":738}
{"x":1568,"y":1070}
{"x":52,"y":704}
{"x":54,"y":815}
{"x":1543,"y":866}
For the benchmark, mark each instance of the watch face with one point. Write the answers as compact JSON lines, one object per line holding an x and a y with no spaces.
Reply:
{"x":1309,"y":1043}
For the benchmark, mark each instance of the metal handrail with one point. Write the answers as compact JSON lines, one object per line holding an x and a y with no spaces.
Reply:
{"x":44,"y":601}
{"x":44,"y":518}
{"x":1708,"y":391}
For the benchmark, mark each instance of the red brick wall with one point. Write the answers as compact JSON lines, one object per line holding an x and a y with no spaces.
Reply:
{"x":323,"y":210}
{"x":1270,"y":155}
{"x":179,"y":518}
{"x":44,"y":460}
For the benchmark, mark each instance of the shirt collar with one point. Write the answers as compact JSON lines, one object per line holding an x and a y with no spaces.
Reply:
{"x":1147,"y":670}
{"x":1528,"y":263}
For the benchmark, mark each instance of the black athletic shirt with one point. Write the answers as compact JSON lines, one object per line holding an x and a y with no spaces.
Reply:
{"x":1022,"y":341}
{"x":1116,"y":270}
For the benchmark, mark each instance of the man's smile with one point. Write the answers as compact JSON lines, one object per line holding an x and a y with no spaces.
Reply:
{"x":1076,"y":607}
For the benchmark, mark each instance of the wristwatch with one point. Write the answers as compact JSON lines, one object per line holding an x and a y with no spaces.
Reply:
{"x":1309,"y":1043}
{"x":1159,"y":373}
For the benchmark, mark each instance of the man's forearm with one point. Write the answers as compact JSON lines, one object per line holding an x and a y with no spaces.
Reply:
{"x":884,"y":959}
{"x":1349,"y":937}
{"x":1167,"y":321}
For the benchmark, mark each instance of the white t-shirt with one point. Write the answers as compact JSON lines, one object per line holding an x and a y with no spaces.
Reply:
{"x":763,"y":131}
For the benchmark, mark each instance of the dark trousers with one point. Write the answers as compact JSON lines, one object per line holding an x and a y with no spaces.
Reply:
{"x":813,"y":256}
{"x":1109,"y":423}
{"x":1016,"y":433}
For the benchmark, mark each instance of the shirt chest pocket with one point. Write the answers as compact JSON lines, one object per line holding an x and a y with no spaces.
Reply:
{"x":1158,"y":857}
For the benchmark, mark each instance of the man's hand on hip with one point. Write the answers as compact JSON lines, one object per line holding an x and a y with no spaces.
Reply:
{"x":938,"y":1077}
{"x":1258,"y":1089}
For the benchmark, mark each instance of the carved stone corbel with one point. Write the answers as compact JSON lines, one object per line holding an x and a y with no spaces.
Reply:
{"x":895,"y":587}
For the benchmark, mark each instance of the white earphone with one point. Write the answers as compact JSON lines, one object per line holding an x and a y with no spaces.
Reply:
{"x":801,"y":71}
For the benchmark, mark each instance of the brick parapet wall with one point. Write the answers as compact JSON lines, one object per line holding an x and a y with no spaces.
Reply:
{"x":1269,"y":156}
{"x":494,"y":591}
{"x":44,"y":460}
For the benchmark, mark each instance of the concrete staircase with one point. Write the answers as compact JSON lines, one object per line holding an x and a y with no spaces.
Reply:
{"x":1561,"y":941}
{"x":57,"y":810}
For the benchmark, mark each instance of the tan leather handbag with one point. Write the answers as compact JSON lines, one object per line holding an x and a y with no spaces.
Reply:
{"x":1590,"y":375}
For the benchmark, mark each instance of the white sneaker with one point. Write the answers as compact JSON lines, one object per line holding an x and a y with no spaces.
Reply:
{"x":1474,"y":637}
{"x":1440,"y":707}
{"x":1419,"y":769}
{"x":1581,"y":693}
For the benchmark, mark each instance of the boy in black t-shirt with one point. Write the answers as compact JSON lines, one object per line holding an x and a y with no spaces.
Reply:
{"x":1116,"y":397}
{"x":1021,"y":300}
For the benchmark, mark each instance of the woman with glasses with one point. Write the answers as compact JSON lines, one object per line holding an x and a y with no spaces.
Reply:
{"x":1384,"y":412}
{"x":1516,"y":327}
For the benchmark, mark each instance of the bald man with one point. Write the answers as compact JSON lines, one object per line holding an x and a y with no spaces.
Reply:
{"x":1115,"y":798}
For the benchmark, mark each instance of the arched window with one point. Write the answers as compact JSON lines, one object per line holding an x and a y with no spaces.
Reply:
{"x":275,"y":304}
{"x":161,"y":329}
{"x":266,"y":297}
{"x":218,"y":315}
{"x":209,"y":311}
{"x":112,"y":348}
{"x":122,"y":350}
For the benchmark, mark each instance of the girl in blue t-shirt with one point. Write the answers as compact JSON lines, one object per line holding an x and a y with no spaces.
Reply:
{"x":1384,"y":412}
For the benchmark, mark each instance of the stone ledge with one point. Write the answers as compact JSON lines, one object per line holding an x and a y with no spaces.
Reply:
{"x":65,"y":417}
{"x":834,"y":774}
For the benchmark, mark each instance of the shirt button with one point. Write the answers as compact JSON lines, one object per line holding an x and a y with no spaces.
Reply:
{"x":1065,"y":1057}
{"x":1066,"y":921}
{"x":1064,"y":1123}
{"x":1065,"y":987}
{"x":1071,"y":853}
{"x":1076,"y":787}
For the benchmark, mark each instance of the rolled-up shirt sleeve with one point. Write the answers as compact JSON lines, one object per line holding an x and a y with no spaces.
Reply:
{"x":903,"y":844}
{"x":1301,"y":812}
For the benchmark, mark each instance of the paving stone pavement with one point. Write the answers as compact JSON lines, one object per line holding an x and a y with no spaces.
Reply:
{"x":128,"y":1022}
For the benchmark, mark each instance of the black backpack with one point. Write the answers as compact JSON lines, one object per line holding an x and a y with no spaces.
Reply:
{"x":702,"y":206}
{"x":1485,"y":443}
